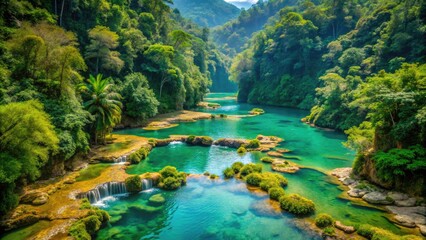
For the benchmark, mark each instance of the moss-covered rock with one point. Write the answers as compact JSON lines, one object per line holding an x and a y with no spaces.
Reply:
{"x":267,"y":159}
{"x":133,"y":184}
{"x":90,"y":224}
{"x":199,"y":140}
{"x":256,"y":111}
{"x":156,"y":200}
{"x":254,"y":143}
{"x":297,"y":204}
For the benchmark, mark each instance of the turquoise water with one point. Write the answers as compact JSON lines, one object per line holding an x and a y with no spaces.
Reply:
{"x":204,"y":209}
{"x":207,"y":209}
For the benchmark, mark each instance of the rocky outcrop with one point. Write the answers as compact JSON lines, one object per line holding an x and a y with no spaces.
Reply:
{"x":344,"y":228}
{"x":275,"y":154}
{"x":230,"y":142}
{"x":409,"y":216}
{"x":35,"y":198}
{"x":284,"y":166}
{"x":404,"y":208}
{"x":377,"y":198}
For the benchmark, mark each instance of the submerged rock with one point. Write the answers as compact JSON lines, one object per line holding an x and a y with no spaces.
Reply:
{"x":156,"y":200}
{"x":377,"y":198}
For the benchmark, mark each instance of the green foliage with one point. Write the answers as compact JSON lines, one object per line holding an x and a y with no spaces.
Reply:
{"x":236,"y":166}
{"x":329,"y":231}
{"x":365,"y":230}
{"x":27,"y":138}
{"x":138,"y":99}
{"x":324,"y":220}
{"x":276,"y":193}
{"x":250,"y":168}
{"x":92,"y":171}
{"x":103,"y":104}
{"x":214,"y":176}
{"x":207,"y":13}
{"x":228,"y":172}
{"x":257,"y":111}
{"x":296,"y":204}
{"x":400,"y":162}
{"x":254,"y":143}
{"x":83,"y":229}
{"x":254,"y":179}
{"x":139,"y":155}
{"x":241,"y":150}
{"x":171,"y":179}
{"x":133,"y":184}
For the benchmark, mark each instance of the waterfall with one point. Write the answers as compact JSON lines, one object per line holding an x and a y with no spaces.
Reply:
{"x":105,"y":190}
{"x":121,"y":160}
{"x":146,"y":184}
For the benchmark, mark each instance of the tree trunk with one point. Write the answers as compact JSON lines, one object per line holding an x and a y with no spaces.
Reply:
{"x":62,"y":11}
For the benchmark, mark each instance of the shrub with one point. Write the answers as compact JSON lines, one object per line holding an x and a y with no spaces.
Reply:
{"x":296,"y":204}
{"x":206,"y":174}
{"x":214,"y":176}
{"x":170,"y":183}
{"x":138,"y":155}
{"x":171,"y":179}
{"x":324,"y":220}
{"x":92,"y":223}
{"x":78,"y":231}
{"x":254,"y":143}
{"x":223,"y":115}
{"x":169,"y":171}
{"x":366,"y":231}
{"x":228,"y":172}
{"x":266,"y":184}
{"x":241,"y":150}
{"x":133,"y":184}
{"x":250,"y":168}
{"x":276,"y":192}
{"x":267,"y":159}
{"x":329,"y":231}
{"x":254,"y":179}
{"x":236,"y":166}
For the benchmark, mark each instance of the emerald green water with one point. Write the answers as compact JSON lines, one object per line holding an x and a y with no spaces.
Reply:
{"x":207,"y":209}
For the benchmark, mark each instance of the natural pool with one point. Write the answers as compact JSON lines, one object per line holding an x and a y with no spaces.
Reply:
{"x":218,"y":209}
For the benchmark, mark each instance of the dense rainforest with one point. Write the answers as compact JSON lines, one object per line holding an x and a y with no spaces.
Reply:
{"x":360,"y":67}
{"x":70,"y":71}
{"x":207,"y":13}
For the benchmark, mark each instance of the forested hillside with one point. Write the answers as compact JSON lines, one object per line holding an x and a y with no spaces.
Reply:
{"x":70,"y":71}
{"x":233,"y":35}
{"x":360,"y":66}
{"x":208,"y":13}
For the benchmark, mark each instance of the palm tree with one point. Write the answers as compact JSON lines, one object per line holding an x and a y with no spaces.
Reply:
{"x":103,"y":104}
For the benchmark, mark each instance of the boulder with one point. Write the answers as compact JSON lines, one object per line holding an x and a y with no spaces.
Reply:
{"x":348,"y":181}
{"x":377,"y":198}
{"x":344,"y":228}
{"x":410,"y":202}
{"x":405,"y":221}
{"x":422,"y":229}
{"x":229,"y":142}
{"x":397,"y":196}
{"x":356,"y":193}
{"x":341,"y":172}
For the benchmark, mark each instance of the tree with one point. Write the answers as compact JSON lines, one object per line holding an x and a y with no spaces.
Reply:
{"x":180,"y":38}
{"x":139,"y":100}
{"x":160,"y":62}
{"x":27,"y":140}
{"x":102,"y":41}
{"x":103,"y":104}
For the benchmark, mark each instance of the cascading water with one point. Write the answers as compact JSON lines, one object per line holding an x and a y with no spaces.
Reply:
{"x":146,"y":184}
{"x":105,"y":190}
{"x":121,"y":159}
